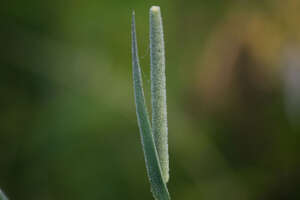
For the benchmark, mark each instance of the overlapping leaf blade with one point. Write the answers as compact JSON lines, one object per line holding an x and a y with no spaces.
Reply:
{"x":158,"y":90}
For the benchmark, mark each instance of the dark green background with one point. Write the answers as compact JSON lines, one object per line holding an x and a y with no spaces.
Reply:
{"x":68,"y":128}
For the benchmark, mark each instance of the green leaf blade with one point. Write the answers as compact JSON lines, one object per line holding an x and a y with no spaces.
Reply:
{"x":158,"y":90}
{"x":159,"y":188}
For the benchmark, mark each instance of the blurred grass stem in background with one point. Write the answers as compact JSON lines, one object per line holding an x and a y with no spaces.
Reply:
{"x":154,"y":143}
{"x":2,"y":196}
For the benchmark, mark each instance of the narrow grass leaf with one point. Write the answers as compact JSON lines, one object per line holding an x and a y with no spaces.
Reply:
{"x":158,"y":90}
{"x":159,"y":188}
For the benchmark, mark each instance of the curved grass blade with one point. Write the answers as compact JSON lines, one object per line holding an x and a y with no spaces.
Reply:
{"x":158,"y":90}
{"x":2,"y":196}
{"x":159,"y":188}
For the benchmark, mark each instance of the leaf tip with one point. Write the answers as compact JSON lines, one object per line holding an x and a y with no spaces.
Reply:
{"x":155,"y":9}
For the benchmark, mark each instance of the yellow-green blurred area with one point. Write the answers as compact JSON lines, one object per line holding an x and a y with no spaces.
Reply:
{"x":68,"y":128}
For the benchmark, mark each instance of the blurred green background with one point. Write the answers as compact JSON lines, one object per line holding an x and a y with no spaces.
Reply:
{"x":68,"y":128}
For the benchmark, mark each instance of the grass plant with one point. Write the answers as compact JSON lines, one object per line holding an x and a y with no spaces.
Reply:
{"x":154,"y":135}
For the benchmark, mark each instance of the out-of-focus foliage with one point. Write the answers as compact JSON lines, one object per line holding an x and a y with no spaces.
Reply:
{"x":67,"y":119}
{"x":2,"y":196}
